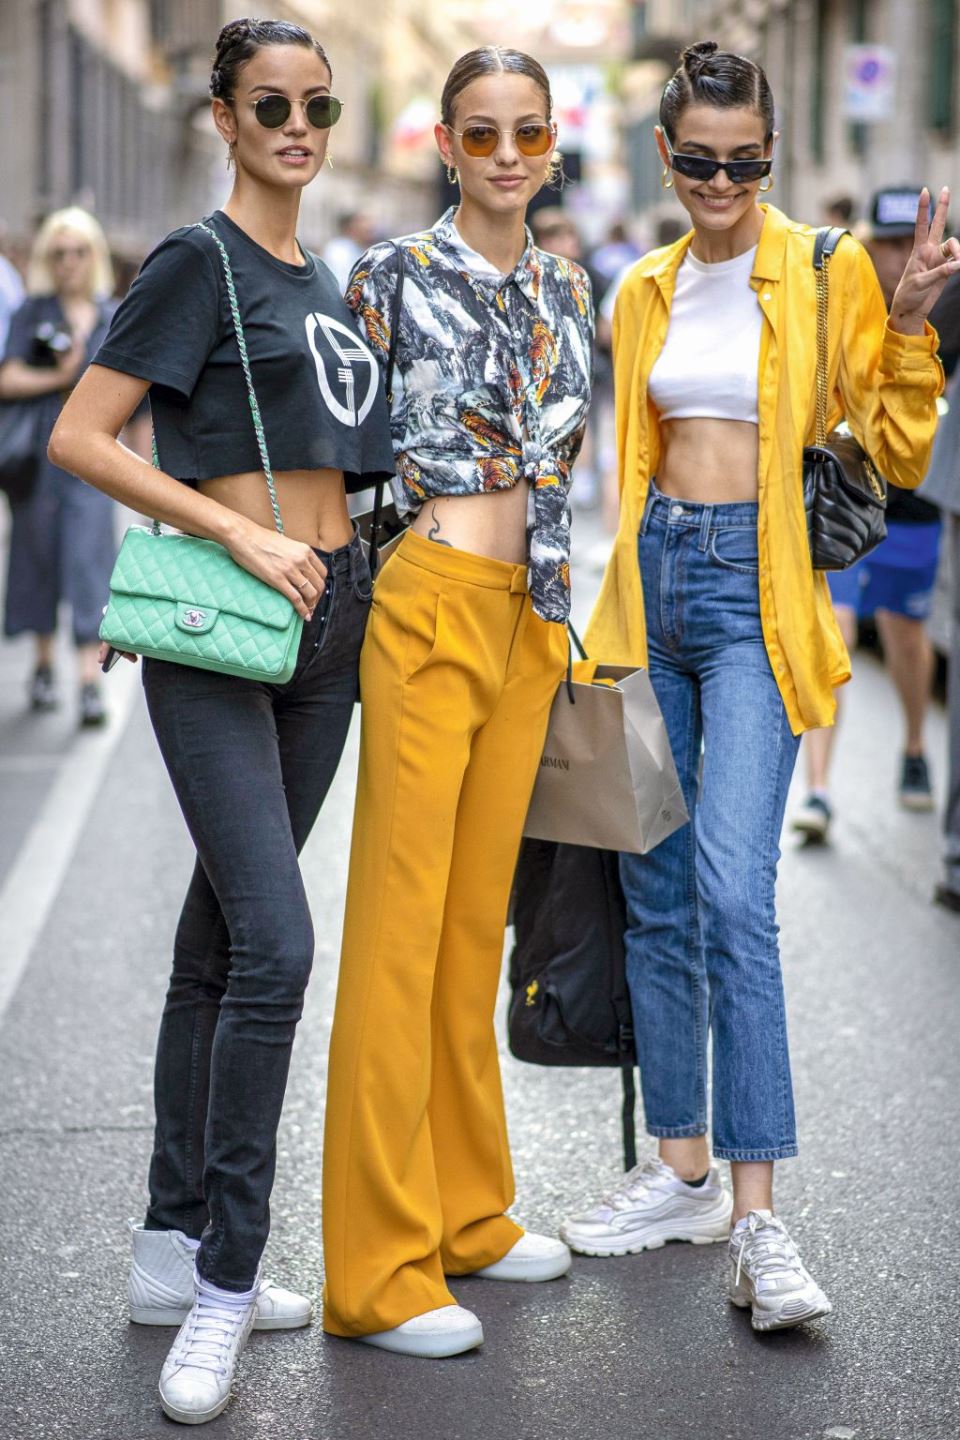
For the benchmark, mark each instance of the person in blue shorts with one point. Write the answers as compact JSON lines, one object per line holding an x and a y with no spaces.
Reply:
{"x":894,"y":584}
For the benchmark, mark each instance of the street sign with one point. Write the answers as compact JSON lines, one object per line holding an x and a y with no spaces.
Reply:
{"x":869,"y":83}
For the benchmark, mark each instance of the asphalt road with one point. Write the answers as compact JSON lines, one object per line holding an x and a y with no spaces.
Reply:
{"x":93,"y":862}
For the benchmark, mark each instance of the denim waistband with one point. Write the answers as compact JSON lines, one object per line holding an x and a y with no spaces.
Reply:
{"x":346,"y":559}
{"x":697,"y":514}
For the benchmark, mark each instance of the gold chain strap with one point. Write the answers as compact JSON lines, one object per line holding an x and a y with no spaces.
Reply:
{"x":823,"y":294}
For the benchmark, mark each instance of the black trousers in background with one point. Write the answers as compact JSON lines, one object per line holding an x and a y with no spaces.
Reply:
{"x":251,"y":765}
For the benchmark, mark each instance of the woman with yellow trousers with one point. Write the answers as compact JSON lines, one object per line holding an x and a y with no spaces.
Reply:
{"x":466,"y":645}
{"x":711,"y":586}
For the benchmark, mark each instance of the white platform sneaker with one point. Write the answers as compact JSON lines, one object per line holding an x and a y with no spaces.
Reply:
{"x":650,"y":1206}
{"x":434,"y":1335}
{"x":533,"y":1257}
{"x":161,"y":1290}
{"x":198,"y":1373}
{"x":768,"y":1277}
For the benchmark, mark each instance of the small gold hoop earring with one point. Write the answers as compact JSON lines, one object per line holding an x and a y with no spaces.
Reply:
{"x":666,"y":179}
{"x":453,"y":175}
{"x":766,"y":185}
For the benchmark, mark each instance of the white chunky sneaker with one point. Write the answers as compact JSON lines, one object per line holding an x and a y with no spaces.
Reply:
{"x":198,"y":1373}
{"x":161,"y":1292}
{"x":533,"y":1257}
{"x":767,"y":1275}
{"x":650,"y":1206}
{"x":434,"y":1335}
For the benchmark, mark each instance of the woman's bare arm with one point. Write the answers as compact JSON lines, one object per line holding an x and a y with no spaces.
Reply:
{"x":84,"y":442}
{"x":20,"y":381}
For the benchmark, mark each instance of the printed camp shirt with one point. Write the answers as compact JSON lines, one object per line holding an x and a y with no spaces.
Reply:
{"x":491,"y":383}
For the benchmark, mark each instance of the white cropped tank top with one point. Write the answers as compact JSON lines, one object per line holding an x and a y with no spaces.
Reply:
{"x":709,"y":362}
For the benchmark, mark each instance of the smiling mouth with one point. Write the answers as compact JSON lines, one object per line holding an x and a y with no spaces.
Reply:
{"x":296,"y":152}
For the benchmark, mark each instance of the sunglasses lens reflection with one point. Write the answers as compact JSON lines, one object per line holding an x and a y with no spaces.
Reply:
{"x":272,"y":111}
{"x":323,"y":111}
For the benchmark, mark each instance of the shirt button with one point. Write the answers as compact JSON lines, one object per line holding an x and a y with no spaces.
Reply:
{"x":767,"y":295}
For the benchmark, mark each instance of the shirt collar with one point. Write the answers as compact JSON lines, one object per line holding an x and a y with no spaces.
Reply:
{"x":526,"y":274}
{"x":662,"y":265}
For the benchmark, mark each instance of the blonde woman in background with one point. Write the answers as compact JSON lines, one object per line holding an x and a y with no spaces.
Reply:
{"x":62,"y":543}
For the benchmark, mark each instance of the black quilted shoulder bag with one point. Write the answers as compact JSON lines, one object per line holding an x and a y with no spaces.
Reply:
{"x":844,"y":496}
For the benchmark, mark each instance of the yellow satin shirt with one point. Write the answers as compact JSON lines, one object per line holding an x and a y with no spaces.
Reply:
{"x":884,"y":384}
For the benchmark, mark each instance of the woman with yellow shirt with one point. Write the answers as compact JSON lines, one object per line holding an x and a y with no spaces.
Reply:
{"x":711,"y":586}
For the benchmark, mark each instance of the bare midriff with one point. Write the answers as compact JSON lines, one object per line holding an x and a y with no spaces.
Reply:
{"x":493,"y":524}
{"x":312,"y":503}
{"x":709,"y":461}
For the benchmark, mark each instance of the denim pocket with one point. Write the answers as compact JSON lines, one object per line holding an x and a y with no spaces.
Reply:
{"x":735,"y":548}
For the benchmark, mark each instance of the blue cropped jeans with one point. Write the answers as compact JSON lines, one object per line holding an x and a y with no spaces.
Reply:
{"x":702,"y":952}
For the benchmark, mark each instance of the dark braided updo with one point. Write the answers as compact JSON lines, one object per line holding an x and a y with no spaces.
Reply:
{"x":240,"y":40}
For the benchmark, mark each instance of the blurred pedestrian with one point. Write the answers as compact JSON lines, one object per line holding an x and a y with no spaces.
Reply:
{"x":460,"y":666}
{"x":943,"y":485}
{"x":250,"y":763}
{"x":711,"y":586}
{"x":838,"y":211}
{"x":893,"y":584}
{"x":12,"y":290}
{"x":62,"y":544}
{"x":354,"y":234}
{"x":555,"y":231}
{"x":615,"y":253}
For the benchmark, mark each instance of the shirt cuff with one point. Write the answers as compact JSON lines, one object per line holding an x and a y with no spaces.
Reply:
{"x":912,"y":357}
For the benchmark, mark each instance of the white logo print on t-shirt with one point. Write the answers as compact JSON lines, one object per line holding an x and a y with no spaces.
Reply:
{"x":348,"y":351}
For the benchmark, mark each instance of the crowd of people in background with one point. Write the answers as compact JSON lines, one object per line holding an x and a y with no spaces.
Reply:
{"x":57,"y":294}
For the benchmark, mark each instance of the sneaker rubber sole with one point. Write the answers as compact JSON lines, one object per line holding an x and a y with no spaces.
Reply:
{"x":793,"y":1312}
{"x":440,"y":1346}
{"x":919,"y":801}
{"x":708,"y":1232}
{"x":154,"y":1315}
{"x":194,"y":1417}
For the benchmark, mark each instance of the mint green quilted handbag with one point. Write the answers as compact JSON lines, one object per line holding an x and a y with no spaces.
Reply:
{"x":177,"y":597}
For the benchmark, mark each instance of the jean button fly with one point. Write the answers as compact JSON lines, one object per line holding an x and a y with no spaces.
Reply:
{"x":677,"y":510}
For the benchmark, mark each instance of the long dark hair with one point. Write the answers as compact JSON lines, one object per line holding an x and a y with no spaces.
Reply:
{"x":239,"y":41}
{"x":707,"y":75}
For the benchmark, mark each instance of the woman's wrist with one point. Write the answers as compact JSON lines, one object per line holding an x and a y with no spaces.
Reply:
{"x":906,"y":324}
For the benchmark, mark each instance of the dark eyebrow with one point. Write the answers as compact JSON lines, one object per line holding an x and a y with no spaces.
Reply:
{"x":691,"y":145}
{"x":523,"y":120}
{"x":279,"y":90}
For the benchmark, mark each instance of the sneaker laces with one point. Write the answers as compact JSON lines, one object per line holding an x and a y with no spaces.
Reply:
{"x":212,"y":1328}
{"x":772,"y":1252}
{"x":641,"y":1179}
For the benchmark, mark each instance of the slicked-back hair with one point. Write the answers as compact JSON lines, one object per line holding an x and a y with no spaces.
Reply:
{"x":708,"y":75}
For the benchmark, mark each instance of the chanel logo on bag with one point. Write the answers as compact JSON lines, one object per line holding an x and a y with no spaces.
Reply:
{"x":194,"y":618}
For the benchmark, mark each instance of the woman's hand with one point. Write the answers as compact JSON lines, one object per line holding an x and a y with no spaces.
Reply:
{"x":290,"y":566}
{"x":930,"y":266}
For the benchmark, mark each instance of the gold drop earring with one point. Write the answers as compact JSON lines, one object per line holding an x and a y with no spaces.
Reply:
{"x":453,"y":175}
{"x":329,"y":159}
{"x":766,"y":185}
{"x":666,"y":179}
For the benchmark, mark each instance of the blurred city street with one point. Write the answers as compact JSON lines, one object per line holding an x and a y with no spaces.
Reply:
{"x":643,"y":1345}
{"x":105,"y":105}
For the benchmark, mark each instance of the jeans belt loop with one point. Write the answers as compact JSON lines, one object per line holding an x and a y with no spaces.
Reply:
{"x":706,"y":520}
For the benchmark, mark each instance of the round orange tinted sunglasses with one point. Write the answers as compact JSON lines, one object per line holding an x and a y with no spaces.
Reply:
{"x":534,"y":138}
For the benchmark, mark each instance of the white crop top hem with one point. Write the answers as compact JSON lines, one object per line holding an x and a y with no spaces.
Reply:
{"x":709,"y":363}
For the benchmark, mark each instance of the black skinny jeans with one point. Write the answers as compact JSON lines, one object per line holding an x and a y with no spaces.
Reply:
{"x":251,"y":765}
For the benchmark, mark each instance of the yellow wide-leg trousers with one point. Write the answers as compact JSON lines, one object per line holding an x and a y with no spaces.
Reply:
{"x":457,"y":677}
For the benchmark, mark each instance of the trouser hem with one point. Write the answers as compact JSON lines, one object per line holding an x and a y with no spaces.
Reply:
{"x":676,"y":1132}
{"x":781,"y":1152}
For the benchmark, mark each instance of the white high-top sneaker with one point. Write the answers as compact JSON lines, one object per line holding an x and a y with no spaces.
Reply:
{"x":768,"y":1277}
{"x":197,"y":1375}
{"x":161,"y":1292}
{"x":650,"y":1206}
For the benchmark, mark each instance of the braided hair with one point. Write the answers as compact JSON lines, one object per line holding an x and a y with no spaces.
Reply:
{"x":708,"y":75}
{"x":240,"y":40}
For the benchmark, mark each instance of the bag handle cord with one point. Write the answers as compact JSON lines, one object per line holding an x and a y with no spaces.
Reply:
{"x":395,"y":312}
{"x":826,"y":242}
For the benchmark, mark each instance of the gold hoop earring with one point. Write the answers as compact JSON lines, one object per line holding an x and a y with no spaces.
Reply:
{"x":766,"y":185}
{"x":666,"y":179}
{"x":453,"y":175}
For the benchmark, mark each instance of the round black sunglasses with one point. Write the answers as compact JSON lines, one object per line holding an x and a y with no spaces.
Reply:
{"x":272,"y":111}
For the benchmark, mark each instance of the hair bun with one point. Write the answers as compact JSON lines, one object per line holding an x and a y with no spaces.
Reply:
{"x":696,"y":56}
{"x":232,"y":32}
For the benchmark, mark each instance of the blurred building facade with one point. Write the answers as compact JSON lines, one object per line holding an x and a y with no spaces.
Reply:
{"x":866,"y":91}
{"x":105,"y":103}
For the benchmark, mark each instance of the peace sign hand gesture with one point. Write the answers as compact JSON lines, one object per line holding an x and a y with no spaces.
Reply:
{"x":932,"y":262}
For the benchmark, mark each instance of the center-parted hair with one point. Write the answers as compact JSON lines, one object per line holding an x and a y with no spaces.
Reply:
{"x":239,"y":41}
{"x":491,"y":60}
{"x":708,"y":75}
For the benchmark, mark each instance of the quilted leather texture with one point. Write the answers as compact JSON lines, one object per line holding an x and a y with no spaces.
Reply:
{"x":845,"y":519}
{"x":247,"y":628}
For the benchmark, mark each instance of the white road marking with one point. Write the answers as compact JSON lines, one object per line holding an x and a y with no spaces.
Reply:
{"x":33,"y":881}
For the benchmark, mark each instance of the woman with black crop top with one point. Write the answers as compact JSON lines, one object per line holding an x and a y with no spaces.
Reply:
{"x":466,"y":644}
{"x":250,"y":763}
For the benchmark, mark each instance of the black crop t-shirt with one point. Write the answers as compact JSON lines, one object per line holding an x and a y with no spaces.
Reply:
{"x":317,"y":383}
